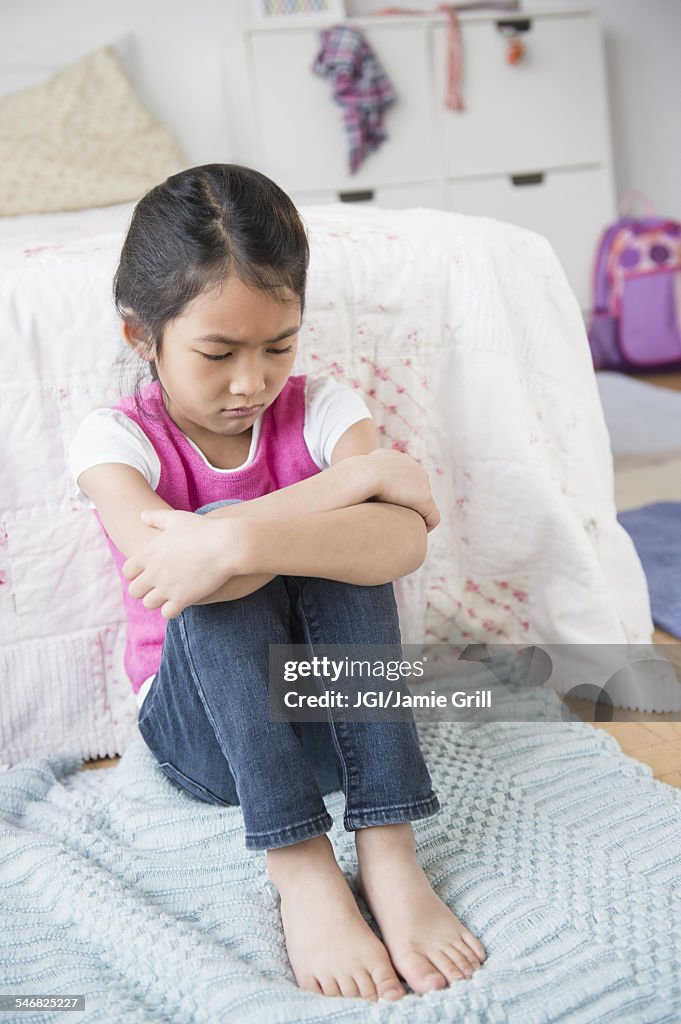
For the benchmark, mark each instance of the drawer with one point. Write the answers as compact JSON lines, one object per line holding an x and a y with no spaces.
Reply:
{"x":545,"y":207}
{"x":547,"y":111}
{"x":429,"y":194}
{"x":303,"y":141}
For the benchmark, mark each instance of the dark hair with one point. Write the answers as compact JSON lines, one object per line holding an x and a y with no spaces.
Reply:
{"x":188,"y":233}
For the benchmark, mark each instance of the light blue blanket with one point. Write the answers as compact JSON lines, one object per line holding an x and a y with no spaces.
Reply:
{"x":560,"y":853}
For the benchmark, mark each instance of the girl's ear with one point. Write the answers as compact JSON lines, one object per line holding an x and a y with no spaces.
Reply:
{"x":138,"y":339}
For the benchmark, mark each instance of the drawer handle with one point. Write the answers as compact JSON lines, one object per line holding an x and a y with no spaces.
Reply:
{"x":356,"y":197}
{"x":515,"y":25}
{"x":536,"y":178}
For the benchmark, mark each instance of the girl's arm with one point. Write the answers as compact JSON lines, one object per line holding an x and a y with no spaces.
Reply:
{"x":354,"y":477}
{"x":120,"y":494}
{"x":325,"y":526}
{"x":364,"y":543}
{"x":193,"y":560}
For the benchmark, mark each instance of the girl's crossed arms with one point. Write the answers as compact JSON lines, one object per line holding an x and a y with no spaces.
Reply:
{"x":363,"y":520}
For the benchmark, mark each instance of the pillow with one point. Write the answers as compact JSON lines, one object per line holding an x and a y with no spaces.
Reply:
{"x":81,"y":139}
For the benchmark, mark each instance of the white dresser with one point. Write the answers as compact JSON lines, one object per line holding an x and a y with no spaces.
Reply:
{"x":532,"y":145}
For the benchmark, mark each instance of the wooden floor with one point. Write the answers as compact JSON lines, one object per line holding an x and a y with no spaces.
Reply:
{"x":651,"y":738}
{"x":657,"y":744}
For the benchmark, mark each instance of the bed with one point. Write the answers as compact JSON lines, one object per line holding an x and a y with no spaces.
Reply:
{"x":468,"y":345}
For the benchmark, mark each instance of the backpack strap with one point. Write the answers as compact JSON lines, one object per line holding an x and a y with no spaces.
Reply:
{"x":636,"y":198}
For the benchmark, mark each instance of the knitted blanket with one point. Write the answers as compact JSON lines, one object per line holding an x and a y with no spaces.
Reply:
{"x":562,"y":854}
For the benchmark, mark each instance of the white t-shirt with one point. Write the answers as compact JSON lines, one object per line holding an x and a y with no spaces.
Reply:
{"x":108,"y":435}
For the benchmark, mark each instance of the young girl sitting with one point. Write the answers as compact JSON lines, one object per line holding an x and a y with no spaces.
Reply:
{"x":303,"y":523}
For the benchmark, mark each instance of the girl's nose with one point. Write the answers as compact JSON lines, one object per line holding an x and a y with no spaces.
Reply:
{"x":247,"y":381}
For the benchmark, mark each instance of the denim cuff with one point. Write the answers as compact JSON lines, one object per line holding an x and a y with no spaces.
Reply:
{"x":287,"y":836}
{"x":393,"y":815}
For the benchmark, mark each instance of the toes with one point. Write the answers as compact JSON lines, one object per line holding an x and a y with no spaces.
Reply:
{"x":464,"y":950}
{"x":451,"y":967}
{"x":365,"y":984}
{"x":474,"y":944}
{"x":330,"y":987}
{"x":348,"y":987}
{"x":393,"y":993}
{"x":432,"y":982}
{"x":387,"y":984}
{"x":311,"y":984}
{"x":383,"y":985}
{"x":462,"y":961}
{"x":421,"y":973}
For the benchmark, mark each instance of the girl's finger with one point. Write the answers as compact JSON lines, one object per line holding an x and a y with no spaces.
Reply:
{"x":139,"y":586}
{"x":170,"y":610}
{"x":154,"y":599}
{"x":131,"y":568}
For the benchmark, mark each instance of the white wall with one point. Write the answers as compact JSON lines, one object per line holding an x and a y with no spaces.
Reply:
{"x":174,"y":57}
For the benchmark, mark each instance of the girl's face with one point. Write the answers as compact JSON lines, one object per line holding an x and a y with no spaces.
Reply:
{"x":226,"y":358}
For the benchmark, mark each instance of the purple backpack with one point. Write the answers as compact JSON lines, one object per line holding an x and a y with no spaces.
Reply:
{"x":636,"y":319}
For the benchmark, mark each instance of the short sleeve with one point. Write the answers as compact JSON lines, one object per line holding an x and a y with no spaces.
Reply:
{"x":330,"y":409}
{"x":108,"y":435}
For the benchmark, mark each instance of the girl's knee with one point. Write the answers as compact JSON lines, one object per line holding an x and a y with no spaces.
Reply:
{"x":379,"y":591}
{"x":348,"y":601}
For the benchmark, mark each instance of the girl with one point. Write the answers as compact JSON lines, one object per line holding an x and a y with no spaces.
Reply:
{"x":228,"y":537}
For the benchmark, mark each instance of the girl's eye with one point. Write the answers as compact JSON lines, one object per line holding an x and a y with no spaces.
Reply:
{"x":272,"y":351}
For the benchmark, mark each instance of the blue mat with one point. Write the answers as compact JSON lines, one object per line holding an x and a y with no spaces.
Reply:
{"x":656,"y":532}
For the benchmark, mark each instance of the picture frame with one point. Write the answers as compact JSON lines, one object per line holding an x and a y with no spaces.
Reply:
{"x":286,"y":11}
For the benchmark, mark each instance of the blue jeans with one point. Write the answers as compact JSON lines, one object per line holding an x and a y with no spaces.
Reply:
{"x":206,"y":717}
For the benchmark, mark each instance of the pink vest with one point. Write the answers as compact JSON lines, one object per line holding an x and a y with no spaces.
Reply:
{"x":187,"y":483}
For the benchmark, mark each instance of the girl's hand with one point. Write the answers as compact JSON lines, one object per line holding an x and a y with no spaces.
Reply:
{"x":190,"y":558}
{"x":402,"y":481}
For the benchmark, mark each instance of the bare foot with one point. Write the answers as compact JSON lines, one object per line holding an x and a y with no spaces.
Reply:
{"x":427,"y":943}
{"x":331,"y":948}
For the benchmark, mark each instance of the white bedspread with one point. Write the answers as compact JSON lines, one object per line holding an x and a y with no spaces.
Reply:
{"x":463,"y":335}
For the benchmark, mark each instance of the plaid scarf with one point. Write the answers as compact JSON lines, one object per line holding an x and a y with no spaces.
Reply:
{"x":360,"y":86}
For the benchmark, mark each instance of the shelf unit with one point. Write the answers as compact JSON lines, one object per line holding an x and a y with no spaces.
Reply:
{"x":532,"y":145}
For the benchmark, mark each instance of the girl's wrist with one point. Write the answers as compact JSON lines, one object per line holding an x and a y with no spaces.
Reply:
{"x":361,"y":476}
{"x":249,"y":543}
{"x":238,"y":548}
{"x":373,"y":470}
